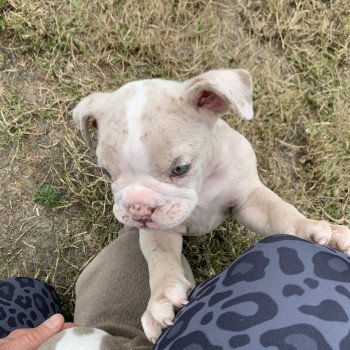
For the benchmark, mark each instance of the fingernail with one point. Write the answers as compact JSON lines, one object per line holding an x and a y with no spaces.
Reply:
{"x":184,"y":302}
{"x":53,"y":322}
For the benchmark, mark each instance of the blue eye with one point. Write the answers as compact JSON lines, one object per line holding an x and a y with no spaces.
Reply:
{"x":180,"y":169}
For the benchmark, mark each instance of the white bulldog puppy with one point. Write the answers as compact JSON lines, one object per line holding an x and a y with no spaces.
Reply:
{"x":177,"y":169}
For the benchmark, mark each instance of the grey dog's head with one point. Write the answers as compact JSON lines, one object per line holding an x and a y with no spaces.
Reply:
{"x":155,"y":141}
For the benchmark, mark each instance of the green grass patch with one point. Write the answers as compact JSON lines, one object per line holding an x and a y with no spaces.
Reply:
{"x":47,"y":195}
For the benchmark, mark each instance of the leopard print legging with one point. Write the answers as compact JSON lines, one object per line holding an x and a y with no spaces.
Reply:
{"x":284,"y":293}
{"x":25,"y":303}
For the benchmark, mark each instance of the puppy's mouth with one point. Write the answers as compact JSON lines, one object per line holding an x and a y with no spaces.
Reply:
{"x":144,"y":223}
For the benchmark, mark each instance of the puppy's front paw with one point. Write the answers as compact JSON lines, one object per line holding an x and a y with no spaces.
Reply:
{"x":323,"y":232}
{"x":340,"y":238}
{"x":170,"y":295}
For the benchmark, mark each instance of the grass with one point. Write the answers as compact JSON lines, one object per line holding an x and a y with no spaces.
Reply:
{"x":47,"y":195}
{"x":54,"y":53}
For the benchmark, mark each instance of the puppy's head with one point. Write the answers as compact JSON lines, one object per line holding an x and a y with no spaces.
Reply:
{"x":155,"y":141}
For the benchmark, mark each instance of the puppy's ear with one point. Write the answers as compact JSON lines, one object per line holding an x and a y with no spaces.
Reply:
{"x":88,"y":111}
{"x":217,"y":91}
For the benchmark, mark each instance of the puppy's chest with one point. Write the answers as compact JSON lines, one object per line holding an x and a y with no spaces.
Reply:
{"x":204,"y":220}
{"x":212,"y":208}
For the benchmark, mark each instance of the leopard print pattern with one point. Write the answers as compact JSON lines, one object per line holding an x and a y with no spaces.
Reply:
{"x":25,"y":303}
{"x":283,"y":293}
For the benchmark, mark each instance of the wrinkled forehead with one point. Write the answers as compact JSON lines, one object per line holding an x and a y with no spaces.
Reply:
{"x":147,"y":123}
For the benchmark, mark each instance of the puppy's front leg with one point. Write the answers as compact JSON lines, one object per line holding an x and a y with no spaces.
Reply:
{"x":264,"y":212}
{"x":169,"y":287}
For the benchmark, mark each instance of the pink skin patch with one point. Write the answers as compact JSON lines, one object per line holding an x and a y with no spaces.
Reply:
{"x":136,"y":194}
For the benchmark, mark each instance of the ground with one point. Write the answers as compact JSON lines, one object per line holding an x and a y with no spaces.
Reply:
{"x":55,"y":204}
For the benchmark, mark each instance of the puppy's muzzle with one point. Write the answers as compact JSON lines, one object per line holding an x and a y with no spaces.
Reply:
{"x":141,"y":206}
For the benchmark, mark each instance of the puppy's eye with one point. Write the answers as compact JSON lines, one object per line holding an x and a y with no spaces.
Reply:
{"x":180,"y":169}
{"x":106,"y":173}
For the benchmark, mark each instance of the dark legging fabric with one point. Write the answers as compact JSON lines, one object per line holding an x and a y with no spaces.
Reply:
{"x":25,"y":303}
{"x":284,"y":293}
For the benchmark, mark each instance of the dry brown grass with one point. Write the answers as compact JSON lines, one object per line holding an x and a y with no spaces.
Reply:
{"x":53,"y":53}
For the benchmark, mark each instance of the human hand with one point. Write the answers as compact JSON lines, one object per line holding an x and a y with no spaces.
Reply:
{"x":32,"y":338}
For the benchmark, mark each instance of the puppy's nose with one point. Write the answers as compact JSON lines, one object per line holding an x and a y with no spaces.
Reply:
{"x":138,"y":195}
{"x":140,"y":211}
